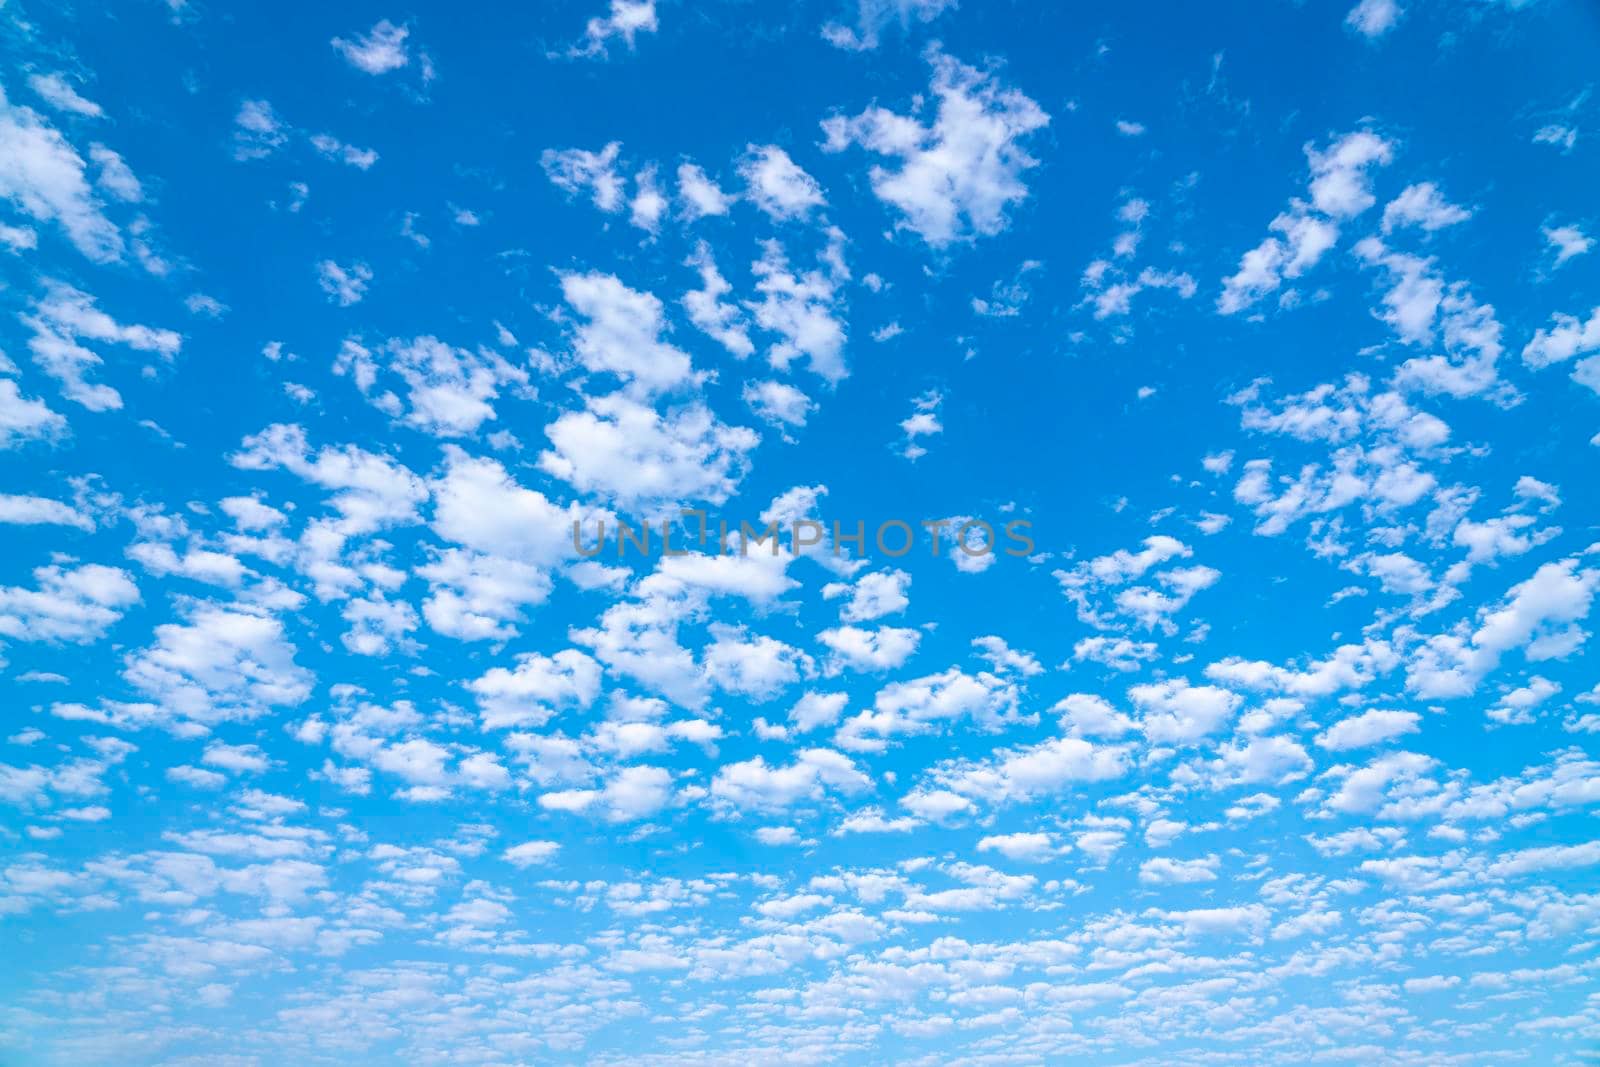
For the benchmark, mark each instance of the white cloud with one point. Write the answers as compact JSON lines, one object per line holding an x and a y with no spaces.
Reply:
{"x":1086,"y":715}
{"x":28,"y":510}
{"x":631,"y":454}
{"x":531,"y":853}
{"x":574,"y":170}
{"x":1031,"y":771}
{"x":622,"y":335}
{"x":922,"y":704}
{"x":18,"y":239}
{"x":1557,"y":134}
{"x":815,"y":710}
{"x":701,"y":197}
{"x":1568,"y":241}
{"x":872,"y":596}
{"x":1026,"y":848}
{"x":718,"y":319}
{"x":1340,"y":188}
{"x":1100,"y":589}
{"x":332,"y":148}
{"x":116,"y":179}
{"x":380,"y":50}
{"x":77,"y":605}
{"x":1548,"y":858}
{"x":1368,"y":728}
{"x":1341,"y":180}
{"x":648,"y":203}
{"x":1374,"y":18}
{"x":1566,"y":337}
{"x":25,"y":419}
{"x":43,"y":176}
{"x":1431,"y":984}
{"x":859,"y":649}
{"x":476,"y":596}
{"x":1518,"y":706}
{"x":875,"y":16}
{"x":478,"y":504}
{"x":757,"y":668}
{"x":345,"y":286}
{"x":1418,"y":300}
{"x":1424,"y":207}
{"x":1164,"y":871}
{"x":802,"y":310}
{"x":536,"y":688}
{"x":62,"y":317}
{"x":960,"y":175}
{"x":1248,"y":920}
{"x":776,"y":184}
{"x":63,"y":96}
{"x":922,"y":422}
{"x":448,"y":390}
{"x":1176,"y":712}
{"x":1270,"y":760}
{"x":370,"y":491}
{"x":778,"y":403}
{"x":222,"y":664}
{"x":236,"y":759}
{"x":626,"y":19}
{"x":258,"y":131}
{"x":1541,"y":616}
{"x":755,"y":785}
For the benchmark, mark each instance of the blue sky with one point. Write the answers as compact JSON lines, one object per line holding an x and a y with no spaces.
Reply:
{"x":1275,"y":322}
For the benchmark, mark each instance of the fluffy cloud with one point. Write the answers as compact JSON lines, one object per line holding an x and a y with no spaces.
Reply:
{"x":60,"y":94}
{"x":625,"y":19}
{"x":575,"y":170}
{"x":757,"y":668}
{"x":531,"y":853}
{"x":960,"y":175}
{"x":1373,"y":18}
{"x":448,"y":391}
{"x":77,"y":605}
{"x":622,"y":334}
{"x":858,"y":649}
{"x":1025,"y":848}
{"x":1340,"y":189}
{"x":530,"y":693}
{"x":222,"y":664}
{"x":875,"y":16}
{"x":754,"y":784}
{"x":378,"y":51}
{"x":801,"y":309}
{"x":344,"y":286}
{"x":44,"y":176}
{"x":63,"y":317}
{"x":777,"y":185}
{"x":1032,"y":771}
{"x":921,"y":704}
{"x":1425,"y":207}
{"x":1567,"y":336}
{"x":1176,"y":712}
{"x":1540,"y":616}
{"x":1163,"y":871}
{"x":631,"y":454}
{"x":1368,"y":728}
{"x":370,"y":491}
